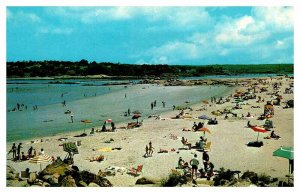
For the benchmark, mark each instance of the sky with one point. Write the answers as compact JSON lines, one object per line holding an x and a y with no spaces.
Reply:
{"x":152,"y":35}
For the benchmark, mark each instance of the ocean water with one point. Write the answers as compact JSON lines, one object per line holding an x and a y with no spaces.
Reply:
{"x":95,"y":103}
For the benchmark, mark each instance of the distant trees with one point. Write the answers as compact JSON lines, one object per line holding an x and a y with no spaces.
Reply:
{"x":83,"y":67}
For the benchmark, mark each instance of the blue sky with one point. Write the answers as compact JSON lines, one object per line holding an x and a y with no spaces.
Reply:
{"x":152,"y":35}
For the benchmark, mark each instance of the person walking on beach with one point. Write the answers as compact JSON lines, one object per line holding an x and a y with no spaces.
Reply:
{"x":72,"y":116}
{"x":14,"y":150}
{"x":151,"y":148}
{"x":146,"y":151}
{"x":194,"y":163}
{"x":19,"y":151}
{"x":128,"y":111}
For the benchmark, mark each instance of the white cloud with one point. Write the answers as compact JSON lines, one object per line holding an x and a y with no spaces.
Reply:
{"x":181,"y":18}
{"x":241,"y":31}
{"x":22,"y":17}
{"x":54,"y":30}
{"x":278,"y":18}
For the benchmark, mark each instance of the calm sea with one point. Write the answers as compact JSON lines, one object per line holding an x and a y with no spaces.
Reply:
{"x":88,"y":100}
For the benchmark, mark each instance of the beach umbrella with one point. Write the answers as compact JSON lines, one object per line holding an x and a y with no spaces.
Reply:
{"x":258,"y":130}
{"x":70,"y":148}
{"x":203,"y":117}
{"x":108,"y":120}
{"x":40,"y":159}
{"x":285,"y":152}
{"x":136,"y":116}
{"x":204,"y":129}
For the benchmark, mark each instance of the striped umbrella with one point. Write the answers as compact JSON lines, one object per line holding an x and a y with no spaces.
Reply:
{"x":40,"y":159}
{"x":70,"y":148}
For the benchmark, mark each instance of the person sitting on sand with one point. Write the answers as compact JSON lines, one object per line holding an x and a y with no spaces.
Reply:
{"x":185,"y":142}
{"x":104,"y":127}
{"x":249,"y":125}
{"x":194,"y":126}
{"x":273,"y":135}
{"x":201,"y":143}
{"x":42,"y":152}
{"x":180,"y":163}
{"x":92,"y":131}
{"x":24,"y":157}
{"x":226,"y":117}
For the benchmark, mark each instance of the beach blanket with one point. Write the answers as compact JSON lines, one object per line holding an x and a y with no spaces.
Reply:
{"x":105,"y":149}
{"x":108,"y":149}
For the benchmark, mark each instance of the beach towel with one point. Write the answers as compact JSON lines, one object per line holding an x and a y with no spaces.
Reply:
{"x":105,"y":149}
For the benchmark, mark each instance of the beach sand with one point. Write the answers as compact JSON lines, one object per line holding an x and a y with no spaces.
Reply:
{"x":228,"y":138}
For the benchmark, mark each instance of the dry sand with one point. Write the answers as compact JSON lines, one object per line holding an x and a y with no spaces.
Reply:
{"x":228,"y":149}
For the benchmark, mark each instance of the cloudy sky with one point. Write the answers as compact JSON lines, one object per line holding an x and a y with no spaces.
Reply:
{"x":165,"y":35}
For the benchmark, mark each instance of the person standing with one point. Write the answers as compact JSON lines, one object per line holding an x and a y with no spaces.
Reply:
{"x":194,"y":163}
{"x":205,"y":159}
{"x":72,"y":118}
{"x":14,"y":150}
{"x":151,"y":148}
{"x":30,"y":152}
{"x":164,"y":104}
{"x":19,"y":151}
{"x":152,"y":106}
{"x":210,"y":170}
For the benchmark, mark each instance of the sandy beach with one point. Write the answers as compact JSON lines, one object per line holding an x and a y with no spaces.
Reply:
{"x":228,"y":140}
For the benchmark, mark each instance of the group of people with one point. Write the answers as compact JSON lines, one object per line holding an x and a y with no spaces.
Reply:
{"x":113,"y":127}
{"x":153,"y":104}
{"x":149,"y":150}
{"x":20,"y":156}
{"x":198,"y":126}
{"x":192,"y":167}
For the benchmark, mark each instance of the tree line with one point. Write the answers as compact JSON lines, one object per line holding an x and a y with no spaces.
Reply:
{"x":84,"y":68}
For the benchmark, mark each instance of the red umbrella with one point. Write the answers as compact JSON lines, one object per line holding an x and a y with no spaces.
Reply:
{"x":108,"y":121}
{"x":204,"y":130}
{"x":258,"y":130}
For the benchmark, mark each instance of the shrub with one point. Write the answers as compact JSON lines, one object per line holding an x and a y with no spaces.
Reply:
{"x":223,"y":177}
{"x":174,"y":179}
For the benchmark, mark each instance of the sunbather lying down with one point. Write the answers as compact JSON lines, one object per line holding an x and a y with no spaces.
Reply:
{"x":97,"y":158}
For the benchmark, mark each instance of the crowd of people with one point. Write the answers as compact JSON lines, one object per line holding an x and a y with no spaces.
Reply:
{"x":192,"y":168}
